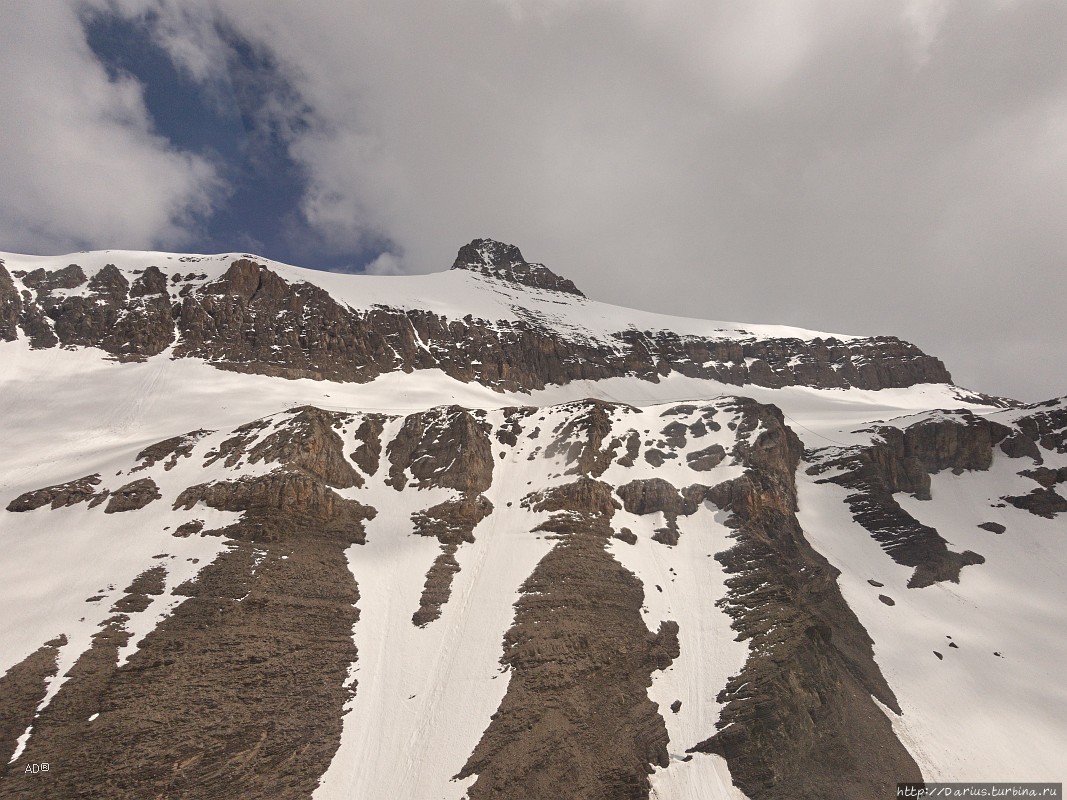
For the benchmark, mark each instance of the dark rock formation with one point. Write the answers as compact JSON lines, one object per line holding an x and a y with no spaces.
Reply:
{"x":252,"y":320}
{"x":438,"y":587}
{"x":580,"y":439}
{"x":10,"y":307}
{"x":189,"y":528}
{"x":306,"y":442}
{"x":451,"y":523}
{"x":625,"y":535}
{"x":706,"y":459}
{"x":504,"y":261}
{"x":207,"y":706}
{"x":576,"y":719}
{"x":369,"y":451}
{"x":1046,"y":425}
{"x":799,"y":720}
{"x":22,"y":688}
{"x":170,"y":449}
{"x":584,"y":496}
{"x":1019,"y":445}
{"x":70,"y":493}
{"x":446,"y":447}
{"x":134,"y":495}
{"x":992,"y":527}
{"x":140,"y":592}
{"x":1040,"y":502}
{"x":902,"y":461}
{"x":651,"y":495}
{"x":674,"y":435}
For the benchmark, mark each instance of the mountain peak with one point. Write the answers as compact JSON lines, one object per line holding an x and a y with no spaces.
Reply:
{"x":504,"y":261}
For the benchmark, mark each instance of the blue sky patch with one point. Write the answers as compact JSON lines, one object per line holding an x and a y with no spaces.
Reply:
{"x":242,"y":119}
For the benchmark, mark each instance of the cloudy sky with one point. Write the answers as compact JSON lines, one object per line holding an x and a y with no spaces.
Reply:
{"x":862,"y":167}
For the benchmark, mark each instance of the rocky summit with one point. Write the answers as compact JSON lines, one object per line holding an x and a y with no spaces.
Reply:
{"x":278,"y":533}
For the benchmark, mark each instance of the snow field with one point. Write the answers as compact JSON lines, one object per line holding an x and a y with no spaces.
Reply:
{"x":973,"y":716}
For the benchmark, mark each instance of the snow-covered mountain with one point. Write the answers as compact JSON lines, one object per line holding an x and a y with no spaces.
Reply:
{"x":272,"y":532}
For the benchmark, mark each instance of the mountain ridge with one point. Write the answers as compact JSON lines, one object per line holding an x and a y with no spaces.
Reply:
{"x":592,"y":566}
{"x":248,"y":317}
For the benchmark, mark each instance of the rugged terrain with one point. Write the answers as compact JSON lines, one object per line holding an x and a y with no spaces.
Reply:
{"x":278,"y":533}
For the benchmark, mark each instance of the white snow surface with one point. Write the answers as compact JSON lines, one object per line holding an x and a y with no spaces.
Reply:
{"x":975,"y":715}
{"x":426,"y":695}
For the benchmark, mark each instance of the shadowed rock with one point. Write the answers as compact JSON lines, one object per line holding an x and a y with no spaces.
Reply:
{"x":22,"y":688}
{"x":70,"y":493}
{"x":134,"y":495}
{"x":798,"y":719}
{"x":576,"y":719}
{"x":207,"y":705}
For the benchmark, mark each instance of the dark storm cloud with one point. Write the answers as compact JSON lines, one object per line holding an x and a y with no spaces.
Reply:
{"x":859,"y":167}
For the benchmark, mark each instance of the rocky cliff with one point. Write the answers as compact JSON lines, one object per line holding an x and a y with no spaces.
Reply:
{"x":251,"y":319}
{"x":247,"y":588}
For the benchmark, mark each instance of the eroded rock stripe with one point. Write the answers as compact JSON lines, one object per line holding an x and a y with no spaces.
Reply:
{"x":240,"y":691}
{"x":576,"y":720}
{"x":799,"y":719}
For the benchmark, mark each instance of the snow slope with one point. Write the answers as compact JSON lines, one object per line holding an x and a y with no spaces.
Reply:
{"x":425,"y":695}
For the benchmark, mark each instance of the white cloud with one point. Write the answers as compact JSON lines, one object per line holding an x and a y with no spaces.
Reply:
{"x":861,"y":166}
{"x":385,"y":264}
{"x":79,"y":163}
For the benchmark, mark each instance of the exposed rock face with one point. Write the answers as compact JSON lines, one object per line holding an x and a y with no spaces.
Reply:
{"x":131,"y":322}
{"x":307,"y":443}
{"x":706,"y":459}
{"x":576,"y":713}
{"x":902,"y":462}
{"x":1043,"y":502}
{"x":134,"y":495}
{"x":438,"y":587}
{"x":580,"y":439}
{"x":148,"y":584}
{"x":451,"y":522}
{"x":447,"y":447}
{"x":253,"y":320}
{"x":10,"y":306}
{"x":71,"y":493}
{"x":170,"y":449}
{"x":498,"y":260}
{"x":23,"y":688}
{"x":1047,"y":425}
{"x":651,"y":495}
{"x":799,"y":720}
{"x":369,"y":451}
{"x":209,"y":696}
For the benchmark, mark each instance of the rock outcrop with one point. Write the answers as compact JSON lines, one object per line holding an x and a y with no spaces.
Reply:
{"x":902,"y":461}
{"x":22,"y":688}
{"x":252,"y":320}
{"x":82,"y":490}
{"x":451,"y":523}
{"x":799,"y":720}
{"x":504,"y":261}
{"x":134,"y":495}
{"x":576,"y":718}
{"x":209,"y":696}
